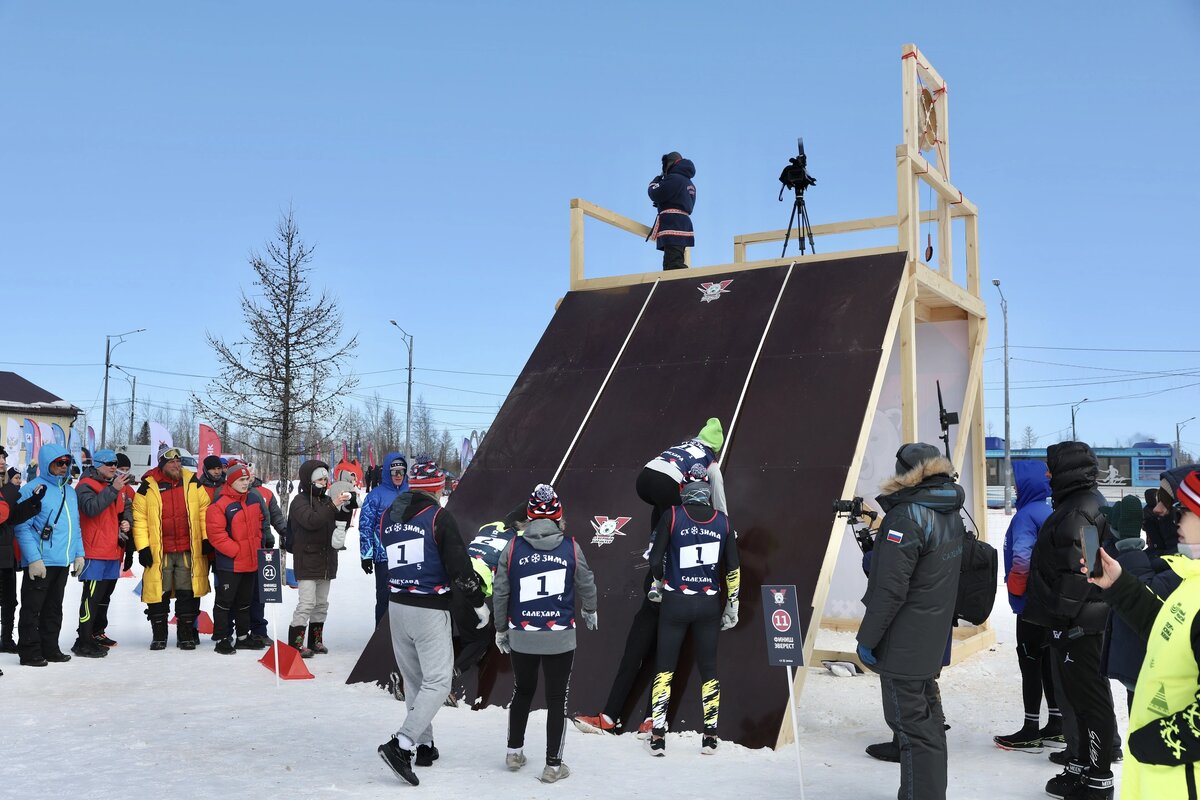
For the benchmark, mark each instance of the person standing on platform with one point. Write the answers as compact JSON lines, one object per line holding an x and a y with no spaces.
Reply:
{"x":538,"y":577}
{"x":674,"y":196}
{"x":694,"y":548}
{"x":426,"y":560}
{"x":910,"y":599}
{"x":394,"y":482}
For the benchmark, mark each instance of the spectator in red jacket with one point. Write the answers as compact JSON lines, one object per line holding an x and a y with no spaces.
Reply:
{"x":105,"y":521}
{"x":236,"y":528}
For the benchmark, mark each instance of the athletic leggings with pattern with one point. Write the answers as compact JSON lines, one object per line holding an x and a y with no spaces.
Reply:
{"x":701,"y":614}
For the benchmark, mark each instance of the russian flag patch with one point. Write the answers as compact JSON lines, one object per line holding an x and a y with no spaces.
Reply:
{"x":895,"y":536}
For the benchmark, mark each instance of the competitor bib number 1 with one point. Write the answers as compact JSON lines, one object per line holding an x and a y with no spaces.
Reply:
{"x":406,"y":553}
{"x":544,"y":584}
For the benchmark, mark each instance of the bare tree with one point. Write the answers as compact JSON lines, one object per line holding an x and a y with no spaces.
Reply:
{"x":289,"y":365}
{"x":1028,"y":438}
{"x":425,"y":438}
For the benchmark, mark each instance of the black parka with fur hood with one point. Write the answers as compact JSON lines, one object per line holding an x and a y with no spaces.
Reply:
{"x":914,"y":571}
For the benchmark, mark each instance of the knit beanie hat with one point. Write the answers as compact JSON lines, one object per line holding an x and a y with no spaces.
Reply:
{"x":1189,"y":492}
{"x":909,"y":456}
{"x":1127,"y":518}
{"x":544,"y":503}
{"x":164,"y":451}
{"x":712,"y":434}
{"x":212,"y":462}
{"x":236,"y":471}
{"x":426,"y":476}
{"x":123,"y":461}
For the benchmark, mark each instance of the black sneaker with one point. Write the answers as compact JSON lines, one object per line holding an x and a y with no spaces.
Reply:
{"x":1023,"y":741}
{"x":658,"y":742}
{"x":1066,"y":783}
{"x":88,"y":650}
{"x":885,"y":751}
{"x":57,"y":658}
{"x":34,"y":661}
{"x":250,"y":642}
{"x":426,"y":755}
{"x":104,"y":641}
{"x":399,"y":760}
{"x":708,"y":745}
{"x":157,"y":645}
{"x":225,"y":647}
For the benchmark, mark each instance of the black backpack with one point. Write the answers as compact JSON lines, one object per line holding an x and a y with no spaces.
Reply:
{"x":976,"y":581}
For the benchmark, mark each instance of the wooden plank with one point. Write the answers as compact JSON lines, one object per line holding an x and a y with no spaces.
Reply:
{"x":908,"y":362}
{"x":976,"y":343}
{"x":908,"y":96}
{"x":931,"y":175}
{"x":945,"y":314}
{"x":985,"y":638}
{"x":717,"y":269}
{"x":971,"y":244}
{"x":829,"y":564}
{"x":923,"y":67}
{"x":611,"y":217}
{"x":950,"y":293}
{"x":576,"y":245}
{"x":945,"y":240}
{"x":739,"y":251}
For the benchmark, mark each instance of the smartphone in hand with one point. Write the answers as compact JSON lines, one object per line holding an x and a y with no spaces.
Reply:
{"x":1089,"y":540}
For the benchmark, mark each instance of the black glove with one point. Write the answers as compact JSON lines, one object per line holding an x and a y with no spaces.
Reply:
{"x":268,"y":541}
{"x":368,"y":566}
{"x":128,"y":563}
{"x":145,"y":557}
{"x":38,"y":491}
{"x":207,"y":548}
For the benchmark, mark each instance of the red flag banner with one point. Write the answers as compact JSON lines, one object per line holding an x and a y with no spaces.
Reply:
{"x":210,"y":443}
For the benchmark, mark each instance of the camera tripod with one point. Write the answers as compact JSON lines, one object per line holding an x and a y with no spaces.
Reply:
{"x":798,"y":218}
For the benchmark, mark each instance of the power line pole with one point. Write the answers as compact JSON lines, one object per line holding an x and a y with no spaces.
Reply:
{"x":1073,"y":410}
{"x":408,"y":340}
{"x":108,"y":348}
{"x":1179,"y":426}
{"x":1008,"y":473}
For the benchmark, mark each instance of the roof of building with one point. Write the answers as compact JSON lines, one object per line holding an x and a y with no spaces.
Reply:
{"x":18,"y":394}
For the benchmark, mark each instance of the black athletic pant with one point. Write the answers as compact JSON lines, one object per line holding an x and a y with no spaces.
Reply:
{"x":93,"y":608}
{"x":913,"y":710}
{"x":700,"y":614}
{"x":557,"y":669}
{"x":673,"y":257}
{"x":8,"y":601}
{"x":235,"y":592}
{"x":1036,"y":680}
{"x":1090,"y":698}
{"x":41,"y":614}
{"x":640,"y":649}
{"x":382,"y":590}
{"x":659,"y":490}
{"x":473,"y":642}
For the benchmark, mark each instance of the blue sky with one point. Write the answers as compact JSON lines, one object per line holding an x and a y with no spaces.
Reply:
{"x":429,"y":151}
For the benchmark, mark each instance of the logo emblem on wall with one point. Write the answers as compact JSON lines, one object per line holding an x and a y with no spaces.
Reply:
{"x":608,"y":529}
{"x":713,"y":291}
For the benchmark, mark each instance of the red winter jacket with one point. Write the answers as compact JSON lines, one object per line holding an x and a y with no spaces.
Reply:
{"x":100,"y":532}
{"x":235,"y":525}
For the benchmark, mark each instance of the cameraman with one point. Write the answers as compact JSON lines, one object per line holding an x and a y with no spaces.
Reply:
{"x":674,"y":195}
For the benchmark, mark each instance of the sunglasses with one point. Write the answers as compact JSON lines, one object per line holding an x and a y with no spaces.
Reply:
{"x":106,"y":463}
{"x":61,"y":462}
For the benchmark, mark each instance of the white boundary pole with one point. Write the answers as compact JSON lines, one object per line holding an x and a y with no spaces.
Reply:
{"x":275,"y":627}
{"x":795,"y":727}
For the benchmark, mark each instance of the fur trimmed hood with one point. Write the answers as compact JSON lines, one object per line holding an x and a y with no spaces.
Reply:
{"x":917,"y":475}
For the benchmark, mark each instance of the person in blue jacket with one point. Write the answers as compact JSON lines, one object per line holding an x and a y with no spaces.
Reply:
{"x":378,"y":501}
{"x":674,"y":195}
{"x":1033,"y":507}
{"x":50,"y":545}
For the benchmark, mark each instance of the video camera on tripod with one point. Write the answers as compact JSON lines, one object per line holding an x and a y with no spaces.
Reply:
{"x":854,"y":510}
{"x":795,"y":177}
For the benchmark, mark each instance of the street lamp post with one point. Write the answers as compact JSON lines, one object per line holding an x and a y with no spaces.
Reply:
{"x":408,"y":340}
{"x":1073,"y":410}
{"x":1008,"y":476}
{"x":1179,"y":426}
{"x":108,"y":348}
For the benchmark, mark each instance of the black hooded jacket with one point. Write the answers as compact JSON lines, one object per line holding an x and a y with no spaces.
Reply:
{"x":913,"y":583}
{"x":311,"y":519}
{"x":1059,"y":595}
{"x":451,"y":549}
{"x":674,"y":195}
{"x":18,"y":512}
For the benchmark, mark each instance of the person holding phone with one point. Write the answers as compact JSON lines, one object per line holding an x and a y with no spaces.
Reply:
{"x":1060,"y":599}
{"x":106,"y":521}
{"x":1164,"y":720}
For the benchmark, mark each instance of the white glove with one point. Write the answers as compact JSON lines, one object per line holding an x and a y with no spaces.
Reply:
{"x":502,"y":642}
{"x":729,"y":617}
{"x":77,"y":567}
{"x":590,"y":618}
{"x":37,"y":569}
{"x":655,"y":593}
{"x":484,"y":615}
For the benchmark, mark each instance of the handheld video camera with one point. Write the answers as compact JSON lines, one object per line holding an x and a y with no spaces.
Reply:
{"x":855,"y":511}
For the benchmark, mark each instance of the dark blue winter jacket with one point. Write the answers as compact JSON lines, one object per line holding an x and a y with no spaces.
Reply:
{"x":377,"y":502}
{"x":1033,"y":506}
{"x":674,"y":195}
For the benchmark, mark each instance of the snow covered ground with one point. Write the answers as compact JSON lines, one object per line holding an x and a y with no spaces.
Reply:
{"x":198,"y":725}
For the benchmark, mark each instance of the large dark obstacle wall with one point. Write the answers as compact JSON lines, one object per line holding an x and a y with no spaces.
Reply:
{"x":685,"y":361}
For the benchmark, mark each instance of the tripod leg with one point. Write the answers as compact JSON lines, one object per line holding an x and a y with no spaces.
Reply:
{"x":788,"y":235}
{"x":806,"y":226}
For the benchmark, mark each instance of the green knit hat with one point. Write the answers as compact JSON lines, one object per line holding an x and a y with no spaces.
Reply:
{"x":1127,"y":518}
{"x":712,"y":434}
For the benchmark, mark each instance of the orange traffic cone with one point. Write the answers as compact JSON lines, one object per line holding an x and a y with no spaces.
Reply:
{"x":291,"y":666}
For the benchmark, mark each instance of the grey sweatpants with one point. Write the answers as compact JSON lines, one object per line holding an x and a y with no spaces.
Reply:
{"x":913,"y":710}
{"x":312,"y":605}
{"x":425,"y":655}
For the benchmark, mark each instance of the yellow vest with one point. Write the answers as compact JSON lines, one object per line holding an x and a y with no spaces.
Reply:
{"x":1166,"y":685}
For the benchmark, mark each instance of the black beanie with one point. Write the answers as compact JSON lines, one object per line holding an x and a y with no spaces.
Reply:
{"x":212,"y":462}
{"x":910,"y":455}
{"x":123,"y":461}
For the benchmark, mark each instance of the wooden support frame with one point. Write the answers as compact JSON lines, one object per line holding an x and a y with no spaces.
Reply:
{"x":928,"y":293}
